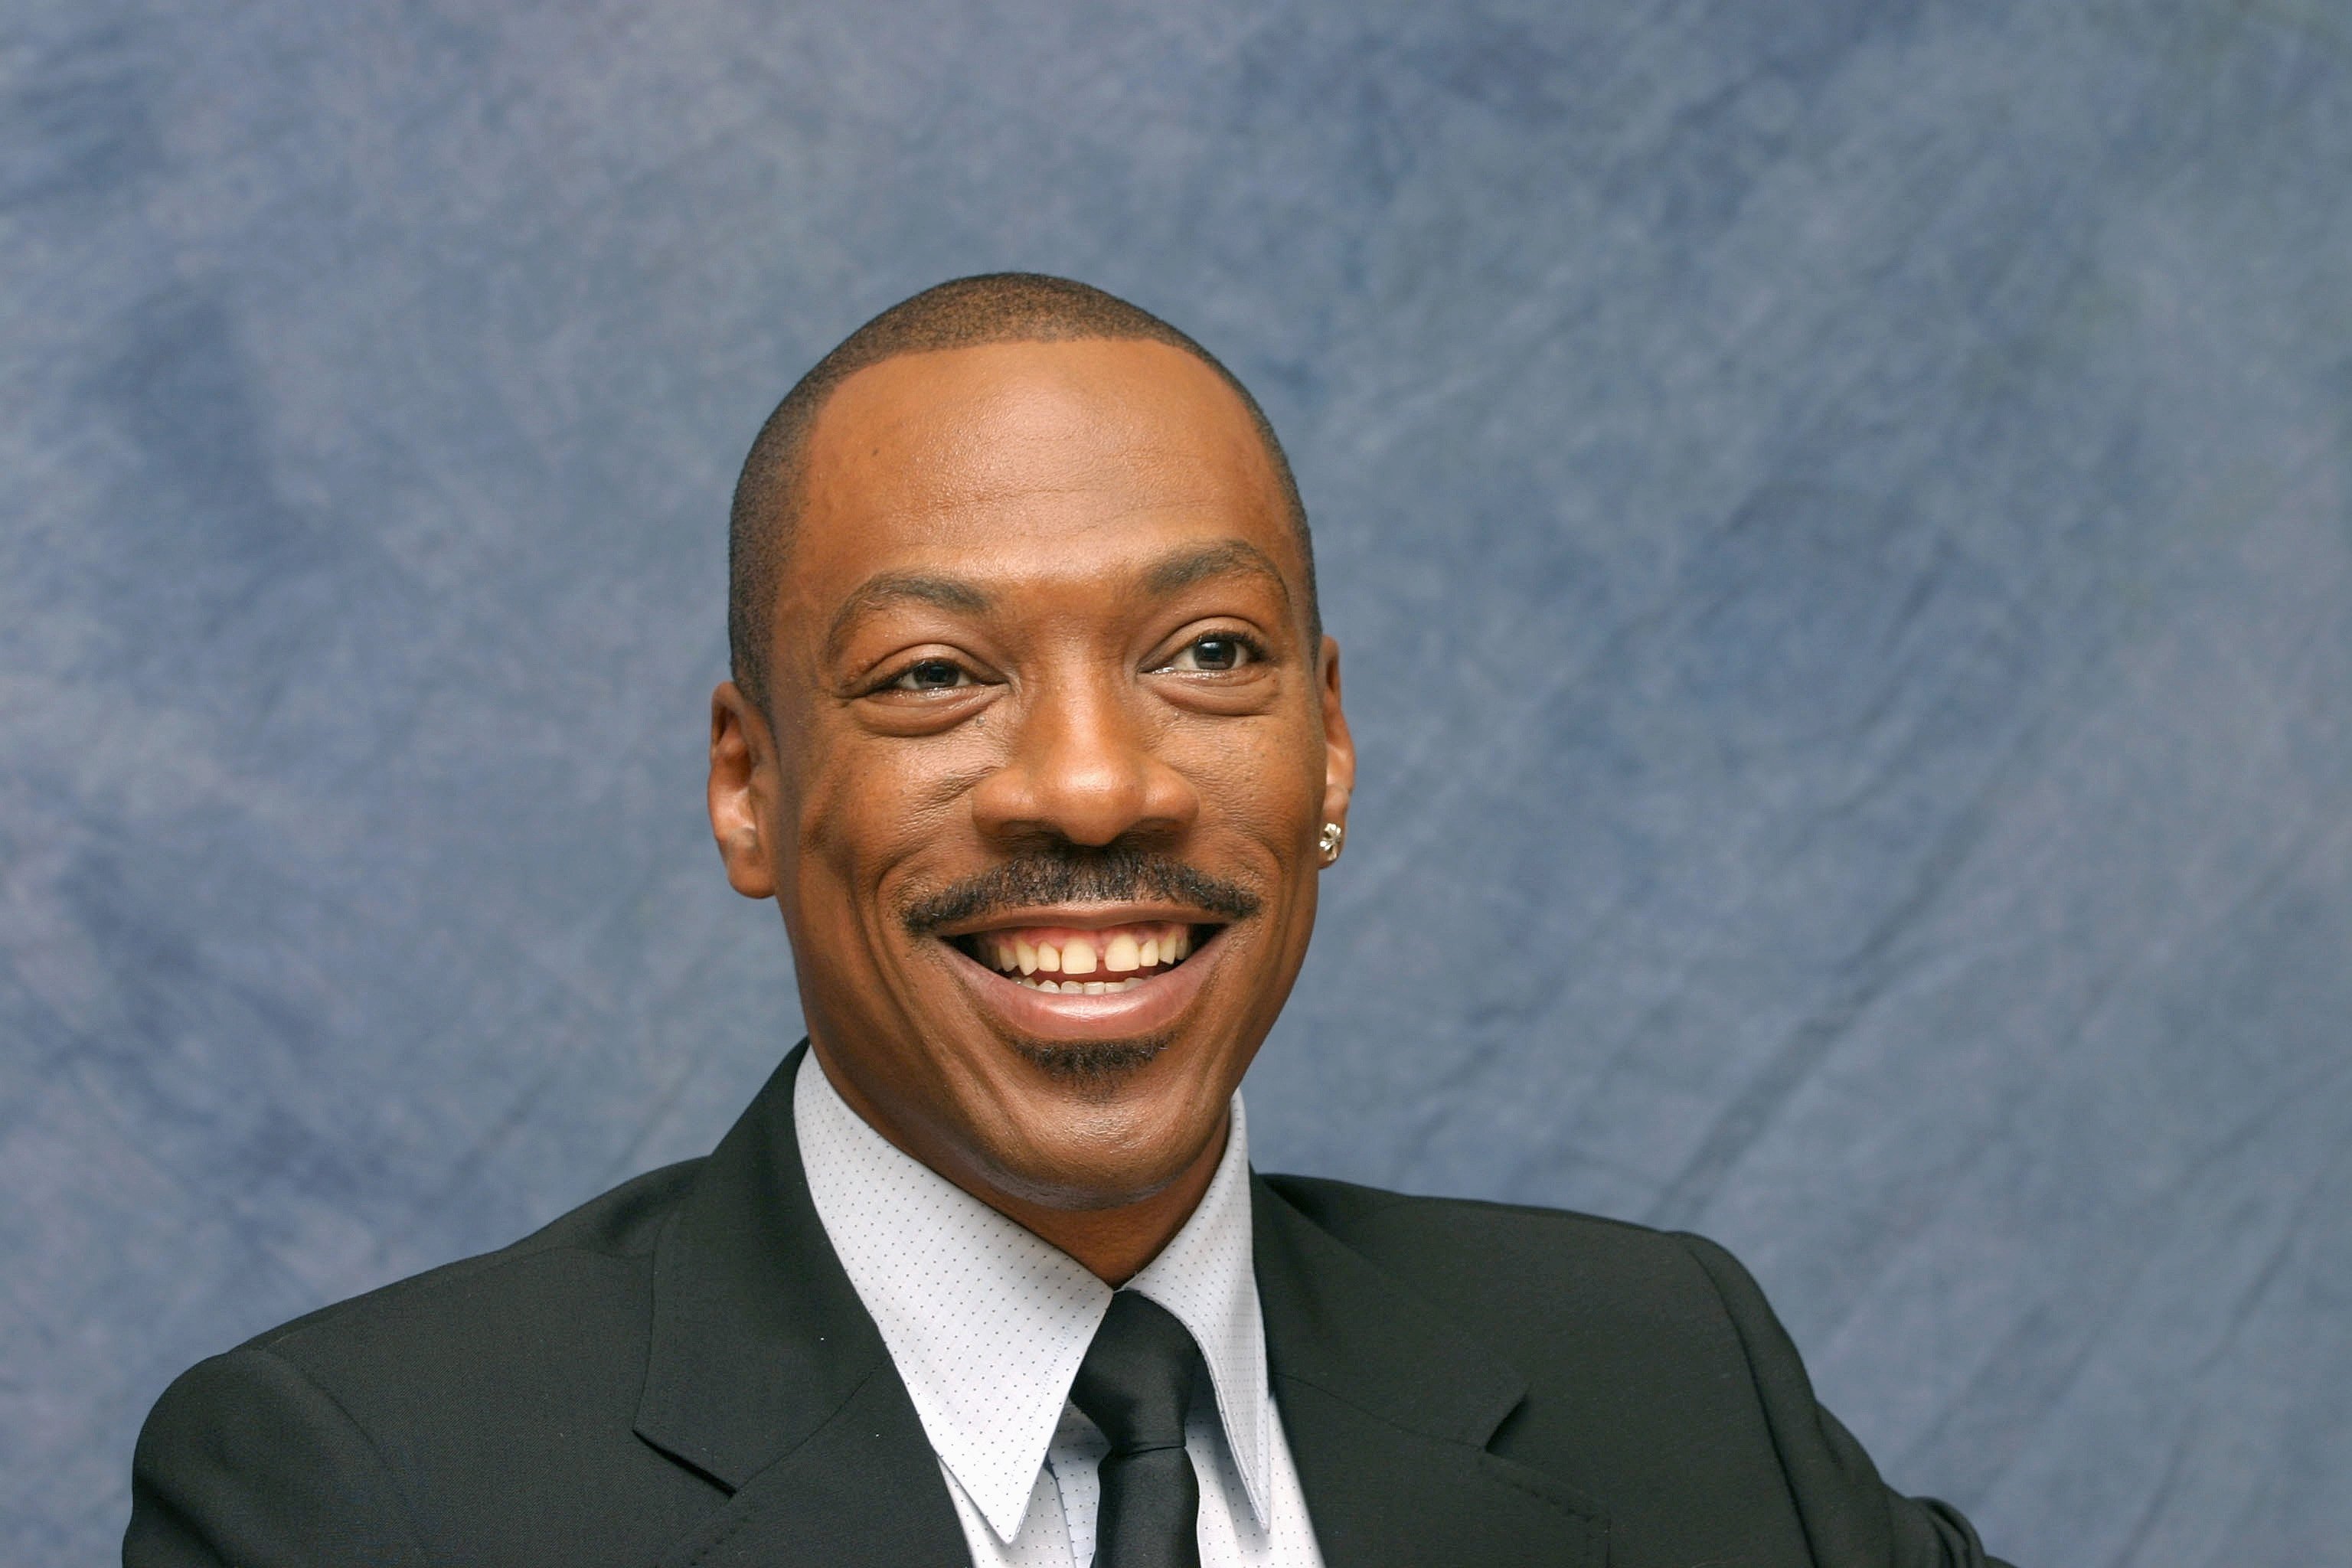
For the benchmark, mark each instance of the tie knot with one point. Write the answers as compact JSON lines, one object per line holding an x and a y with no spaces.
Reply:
{"x":1136,"y":1383}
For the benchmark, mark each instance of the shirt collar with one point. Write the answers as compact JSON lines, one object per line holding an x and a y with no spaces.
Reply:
{"x":987,"y":1321}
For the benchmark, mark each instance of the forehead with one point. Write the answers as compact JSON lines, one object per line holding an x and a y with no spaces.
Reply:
{"x":974,"y":455}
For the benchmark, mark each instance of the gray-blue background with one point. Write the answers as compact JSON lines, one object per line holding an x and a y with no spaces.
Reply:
{"x":1840,"y":515}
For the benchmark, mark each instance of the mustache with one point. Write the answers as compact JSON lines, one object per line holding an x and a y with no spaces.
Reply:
{"x":1075,"y":874}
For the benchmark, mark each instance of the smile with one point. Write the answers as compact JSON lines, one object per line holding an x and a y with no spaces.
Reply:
{"x":1085,"y":975}
{"x":1067,"y":960}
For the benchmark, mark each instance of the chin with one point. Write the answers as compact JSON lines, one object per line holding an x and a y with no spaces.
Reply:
{"x":1095,"y":1067}
{"x":1091,"y":1146}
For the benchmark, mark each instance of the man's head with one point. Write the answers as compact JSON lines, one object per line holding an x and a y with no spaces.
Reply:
{"x":965,"y":312}
{"x":1031,"y":693}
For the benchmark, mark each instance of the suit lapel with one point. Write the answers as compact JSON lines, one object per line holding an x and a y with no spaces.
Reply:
{"x":1388,"y":1409}
{"x":766,"y":1373}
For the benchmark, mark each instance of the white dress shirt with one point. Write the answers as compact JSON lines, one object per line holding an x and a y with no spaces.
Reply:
{"x":987,"y":1323}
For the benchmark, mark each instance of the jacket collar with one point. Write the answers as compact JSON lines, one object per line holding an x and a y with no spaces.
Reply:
{"x":758,"y":1338}
{"x":1389,"y":1407}
{"x":766,"y":1373}
{"x":1336,"y":1323}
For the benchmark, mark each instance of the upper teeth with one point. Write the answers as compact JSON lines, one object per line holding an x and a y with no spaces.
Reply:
{"x":1117,"y":949}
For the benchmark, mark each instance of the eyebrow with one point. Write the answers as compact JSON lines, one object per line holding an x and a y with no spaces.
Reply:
{"x":885,"y":588}
{"x":1228,"y":557}
{"x":1172,"y":574}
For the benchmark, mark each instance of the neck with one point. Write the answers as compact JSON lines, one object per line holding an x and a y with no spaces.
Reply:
{"x":1114,"y":1243}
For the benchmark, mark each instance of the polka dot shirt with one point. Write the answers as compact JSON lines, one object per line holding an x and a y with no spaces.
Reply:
{"x":987,"y":1323}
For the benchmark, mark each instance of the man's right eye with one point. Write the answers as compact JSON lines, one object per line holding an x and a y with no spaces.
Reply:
{"x":932,"y":674}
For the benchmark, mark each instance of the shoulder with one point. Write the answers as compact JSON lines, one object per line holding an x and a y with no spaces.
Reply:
{"x":592,"y":1261}
{"x":375,"y":1422}
{"x":1518,"y":1246}
{"x":1553,"y":1288}
{"x":1643,"y":1379}
{"x":560,"y":1315}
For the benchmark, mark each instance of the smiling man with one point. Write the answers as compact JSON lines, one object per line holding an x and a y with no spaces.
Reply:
{"x":1035,"y":739}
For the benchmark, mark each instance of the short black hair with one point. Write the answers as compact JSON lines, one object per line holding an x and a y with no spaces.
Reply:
{"x":964,"y":312}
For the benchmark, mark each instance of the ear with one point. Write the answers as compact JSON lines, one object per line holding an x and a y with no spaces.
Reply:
{"x":1339,"y":745}
{"x":741,"y":790}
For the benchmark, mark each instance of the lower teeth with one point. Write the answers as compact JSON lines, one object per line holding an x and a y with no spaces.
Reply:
{"x":1075,"y":987}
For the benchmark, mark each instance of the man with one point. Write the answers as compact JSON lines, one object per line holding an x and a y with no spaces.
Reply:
{"x":1036,"y":741}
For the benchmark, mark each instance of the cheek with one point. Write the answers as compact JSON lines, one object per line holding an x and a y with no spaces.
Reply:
{"x":870,"y":806}
{"x":1266,"y":783}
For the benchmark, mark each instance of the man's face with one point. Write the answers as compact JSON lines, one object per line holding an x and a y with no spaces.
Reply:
{"x":1046,"y":757}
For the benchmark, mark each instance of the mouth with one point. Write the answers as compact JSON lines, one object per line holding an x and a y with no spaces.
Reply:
{"x":1089,"y":975}
{"x":1060,"y":959}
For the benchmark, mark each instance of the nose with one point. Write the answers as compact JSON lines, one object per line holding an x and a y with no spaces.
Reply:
{"x":1082,"y":767}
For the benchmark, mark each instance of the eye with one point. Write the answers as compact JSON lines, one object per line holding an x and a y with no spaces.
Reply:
{"x":932,"y":674}
{"x":1214,"y":654}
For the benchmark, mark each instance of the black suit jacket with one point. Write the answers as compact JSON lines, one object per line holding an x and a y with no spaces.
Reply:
{"x":680,"y":1373}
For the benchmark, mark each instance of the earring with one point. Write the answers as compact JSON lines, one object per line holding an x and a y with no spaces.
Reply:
{"x":1329,"y":841}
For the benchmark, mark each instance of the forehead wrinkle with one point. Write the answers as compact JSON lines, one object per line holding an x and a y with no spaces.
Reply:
{"x":885,"y":588}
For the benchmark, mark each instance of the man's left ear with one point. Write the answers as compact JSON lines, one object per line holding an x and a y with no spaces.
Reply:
{"x":1339,"y":745}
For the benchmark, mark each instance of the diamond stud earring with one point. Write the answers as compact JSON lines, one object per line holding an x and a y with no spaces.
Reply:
{"x":1329,"y":841}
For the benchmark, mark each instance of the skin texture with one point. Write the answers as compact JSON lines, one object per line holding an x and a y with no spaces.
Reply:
{"x":988,"y":658}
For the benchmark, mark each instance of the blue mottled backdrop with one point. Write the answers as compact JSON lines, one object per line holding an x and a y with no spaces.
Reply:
{"x":1839,"y":514}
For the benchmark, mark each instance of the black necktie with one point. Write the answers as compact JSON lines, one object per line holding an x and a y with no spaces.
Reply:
{"x":1135,"y":1385}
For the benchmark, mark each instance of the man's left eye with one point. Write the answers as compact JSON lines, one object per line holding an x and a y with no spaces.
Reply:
{"x":1212,"y":654}
{"x":932,"y":675}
